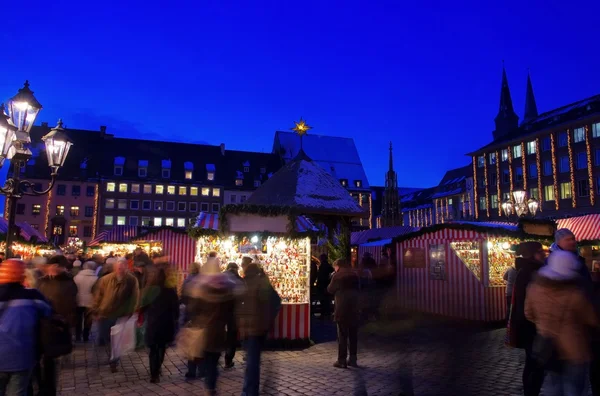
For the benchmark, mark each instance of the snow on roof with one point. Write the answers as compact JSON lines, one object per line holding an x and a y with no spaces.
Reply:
{"x":447,"y":193}
{"x":381,"y":242}
{"x":491,"y":224}
{"x":337,"y":155}
{"x":360,"y":237}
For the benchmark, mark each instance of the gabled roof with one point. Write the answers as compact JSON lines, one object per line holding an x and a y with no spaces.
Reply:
{"x":337,"y":155}
{"x":305,"y":186}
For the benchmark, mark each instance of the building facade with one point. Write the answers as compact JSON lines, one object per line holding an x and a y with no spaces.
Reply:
{"x":554,"y":157}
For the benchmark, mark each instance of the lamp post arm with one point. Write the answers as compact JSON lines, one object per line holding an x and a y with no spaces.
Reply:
{"x":29,"y":190}
{"x":10,"y":187}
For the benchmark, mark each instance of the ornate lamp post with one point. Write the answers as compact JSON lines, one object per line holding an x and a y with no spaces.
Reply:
{"x":23,"y":109}
{"x":521,"y":206}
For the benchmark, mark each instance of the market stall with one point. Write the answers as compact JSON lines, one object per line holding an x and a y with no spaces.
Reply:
{"x":375,"y":249}
{"x":457,"y":269}
{"x":587,"y":232}
{"x":175,"y":243}
{"x":119,"y":241}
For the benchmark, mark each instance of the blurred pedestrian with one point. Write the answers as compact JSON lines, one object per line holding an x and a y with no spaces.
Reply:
{"x":510,"y":276}
{"x":323,"y":278}
{"x":232,"y":328}
{"x":85,"y":281}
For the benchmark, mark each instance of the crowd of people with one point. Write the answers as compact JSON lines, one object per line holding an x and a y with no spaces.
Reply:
{"x":554,"y":317}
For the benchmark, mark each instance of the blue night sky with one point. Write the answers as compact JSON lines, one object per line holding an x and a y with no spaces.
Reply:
{"x":425,"y":75}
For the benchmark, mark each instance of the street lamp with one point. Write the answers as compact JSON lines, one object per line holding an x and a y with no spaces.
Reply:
{"x":23,"y":109}
{"x":521,"y":205}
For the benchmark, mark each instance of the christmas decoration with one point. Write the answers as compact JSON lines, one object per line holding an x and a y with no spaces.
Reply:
{"x":524,"y":160}
{"x":590,"y":168}
{"x":510,"y":171}
{"x":571,"y":169}
{"x":476,"y":202}
{"x":538,"y":162}
{"x":554,"y":171}
{"x":485,"y":179}
{"x":499,"y":191}
{"x":470,"y":254}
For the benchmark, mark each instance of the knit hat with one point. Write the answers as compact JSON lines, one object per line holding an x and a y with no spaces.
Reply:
{"x":528,"y":249}
{"x":561,"y":265}
{"x":76,"y":263}
{"x":12,"y":271}
{"x":562,"y":233}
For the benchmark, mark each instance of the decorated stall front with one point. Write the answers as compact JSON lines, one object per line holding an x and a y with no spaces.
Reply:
{"x":119,"y":240}
{"x":457,"y":269}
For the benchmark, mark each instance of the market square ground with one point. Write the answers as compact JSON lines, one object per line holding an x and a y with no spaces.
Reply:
{"x":415,"y":355}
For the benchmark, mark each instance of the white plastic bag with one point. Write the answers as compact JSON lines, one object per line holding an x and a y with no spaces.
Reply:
{"x":122,"y":337}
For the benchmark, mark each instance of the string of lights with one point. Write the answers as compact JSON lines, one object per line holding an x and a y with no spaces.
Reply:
{"x":554,"y":174}
{"x":447,"y":209}
{"x":370,"y":211}
{"x":510,"y":172}
{"x":590,"y":169}
{"x":464,"y":207}
{"x":538,"y":162}
{"x":95,"y":218}
{"x":498,"y":191}
{"x":571,"y":169}
{"x":47,"y":218}
{"x":475,"y":187}
{"x":524,"y":161}
{"x":487,"y":191}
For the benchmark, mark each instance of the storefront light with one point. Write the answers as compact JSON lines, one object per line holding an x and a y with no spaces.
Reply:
{"x":505,"y":245}
{"x":281,"y":245}
{"x":228,"y":244}
{"x":254,"y":239}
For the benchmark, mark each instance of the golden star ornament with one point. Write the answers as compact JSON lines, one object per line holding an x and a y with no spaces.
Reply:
{"x":301,"y":127}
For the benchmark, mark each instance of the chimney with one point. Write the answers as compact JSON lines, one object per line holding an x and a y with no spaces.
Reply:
{"x":222,"y":148}
{"x":102,"y":130}
{"x":44,"y":124}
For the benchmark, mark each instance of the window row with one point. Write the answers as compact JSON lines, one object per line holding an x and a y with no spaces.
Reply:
{"x":142,"y":169}
{"x":357,"y":183}
{"x":74,"y":211}
{"x":74,"y":231}
{"x":170,"y":206}
{"x":147,"y":221}
{"x":61,"y":189}
{"x":530,"y":147}
{"x":161,"y":189}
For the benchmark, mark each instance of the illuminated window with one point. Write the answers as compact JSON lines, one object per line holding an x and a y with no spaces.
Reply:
{"x":147,"y":188}
{"x":158,"y":222}
{"x":182,"y":190}
{"x":171,"y":190}
{"x":108,"y":220}
{"x":216,"y":192}
{"x":135,"y":188}
{"x":239,"y":182}
{"x":548,"y":193}
{"x":579,"y":135}
{"x":121,"y":220}
{"x":159,"y":189}
{"x":146,"y":221}
{"x":504,"y":154}
{"x":170,"y":206}
{"x":205,"y":191}
{"x":517,"y":151}
{"x":73,"y":230}
{"x":194,"y":191}
{"x":110,"y":187}
{"x":188,"y":175}
{"x":534,"y":193}
{"x":344,"y":182}
{"x":158,"y":205}
{"x":492,"y":159}
{"x":494,"y":201}
{"x":480,"y":161}
{"x":180,"y":222}
{"x":122,"y":204}
{"x":109,"y":203}
{"x":565,"y":190}
{"x":531,"y":147}
{"x":169,"y":221}
{"x":123,"y":187}
{"x":482,"y":203}
{"x":210,"y":172}
{"x":596,"y":130}
{"x":74,"y":211}
{"x":210,"y":176}
{"x":60,"y":210}
{"x":36,"y":209}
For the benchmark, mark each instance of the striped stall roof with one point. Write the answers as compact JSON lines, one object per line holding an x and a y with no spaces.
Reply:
{"x":177,"y":245}
{"x":461,"y":294}
{"x":207,"y":221}
{"x":118,"y":234}
{"x":585,"y":228}
{"x":360,"y":237}
{"x":27,"y":231}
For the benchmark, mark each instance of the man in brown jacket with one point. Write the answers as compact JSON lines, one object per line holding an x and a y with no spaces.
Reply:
{"x":345,"y":286}
{"x":116,"y":296}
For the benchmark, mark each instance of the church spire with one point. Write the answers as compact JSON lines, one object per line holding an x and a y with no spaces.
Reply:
{"x":391,"y":167}
{"x":506,"y":120}
{"x":391,"y":215}
{"x":531,"y":111}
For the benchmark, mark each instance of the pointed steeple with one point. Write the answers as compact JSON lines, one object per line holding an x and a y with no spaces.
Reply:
{"x":391,"y":213}
{"x":506,"y":120}
{"x":391,"y":168}
{"x":531,"y":111}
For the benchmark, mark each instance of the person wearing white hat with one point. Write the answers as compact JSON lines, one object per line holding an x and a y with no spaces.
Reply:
{"x":563,"y":314}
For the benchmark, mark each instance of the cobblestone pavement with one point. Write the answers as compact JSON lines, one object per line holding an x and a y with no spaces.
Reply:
{"x":413,"y":356}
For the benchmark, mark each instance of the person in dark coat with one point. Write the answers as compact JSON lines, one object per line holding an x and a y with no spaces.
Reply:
{"x":323,"y":278}
{"x":345,"y":285}
{"x":232,"y":329}
{"x":161,"y":312}
{"x":60,"y":290}
{"x":530,"y":260}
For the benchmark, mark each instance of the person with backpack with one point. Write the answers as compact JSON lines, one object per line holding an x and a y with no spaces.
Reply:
{"x":21,"y":310}
{"x":257,"y":311}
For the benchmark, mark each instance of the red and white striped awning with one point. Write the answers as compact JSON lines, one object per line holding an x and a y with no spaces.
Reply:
{"x":585,"y":228}
{"x":118,"y":234}
{"x":27,"y":231}
{"x":207,"y":221}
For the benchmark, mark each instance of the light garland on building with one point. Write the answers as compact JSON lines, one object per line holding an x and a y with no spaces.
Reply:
{"x":523,"y":158}
{"x":571,"y":169}
{"x":95,"y":218}
{"x":464,"y":209}
{"x":538,"y":163}
{"x":485,"y":179}
{"x":510,"y":172}
{"x":437,"y":213}
{"x":371,"y":211}
{"x":430,"y":216}
{"x":447,"y":209}
{"x":590,"y":169}
{"x":475,"y":187}
{"x":47,"y":218}
{"x":553,"y":152}
{"x":498,"y":190}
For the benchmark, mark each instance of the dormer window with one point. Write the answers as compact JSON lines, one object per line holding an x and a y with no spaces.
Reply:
{"x":189,"y":170}
{"x":246,"y":166}
{"x":256,"y":183}
{"x":142,"y":168}
{"x":239,"y":182}
{"x":358,"y":183}
{"x":344,"y":182}
{"x":118,"y":168}
{"x":166,"y":169}
{"x":210,"y":172}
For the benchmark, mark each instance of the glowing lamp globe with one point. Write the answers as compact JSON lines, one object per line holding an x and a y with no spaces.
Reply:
{"x":57,"y":146}
{"x":23,"y":108}
{"x":7,"y":134}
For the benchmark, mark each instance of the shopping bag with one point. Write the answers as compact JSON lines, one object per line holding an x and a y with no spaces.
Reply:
{"x":140,"y":332}
{"x":122,"y":337}
{"x":191,"y":342}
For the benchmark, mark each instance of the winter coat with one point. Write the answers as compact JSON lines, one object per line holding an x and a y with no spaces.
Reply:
{"x":21,"y":311}
{"x":345,"y":286}
{"x":254,"y":316}
{"x":85,"y":281}
{"x":114,"y":297}
{"x":162,"y":314}
{"x":523,"y":329}
{"x":211,"y":299}
{"x":61,"y":291}
{"x":562,"y":311}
